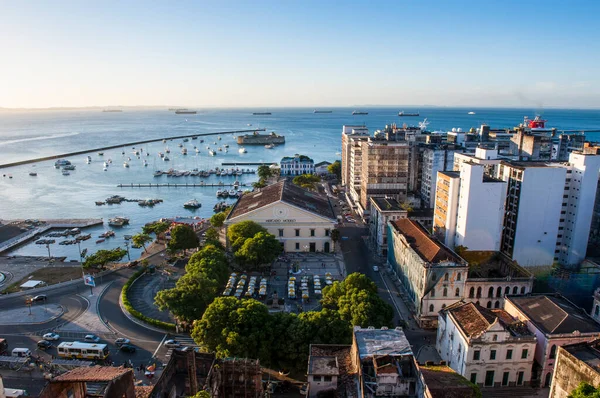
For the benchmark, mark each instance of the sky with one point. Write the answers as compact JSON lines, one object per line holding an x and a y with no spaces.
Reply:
{"x":299,"y":53}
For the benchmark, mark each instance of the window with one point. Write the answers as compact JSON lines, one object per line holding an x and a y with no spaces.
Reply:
{"x":457,"y":292}
{"x":523,"y":290}
{"x":524,"y":353}
{"x":492,"y":355}
{"x":281,"y":232}
{"x":499,"y":292}
{"x":505,"y":376}
{"x":297,"y":246}
{"x":491,"y":292}
{"x":297,"y":232}
{"x":474,"y":378}
{"x":515,"y":290}
{"x":476,"y":355}
{"x":433,"y":276}
{"x":520,"y":376}
{"x":430,"y":307}
{"x":508,"y":354}
{"x":489,"y":304}
{"x":506,"y":291}
{"x":497,"y":304}
{"x":495,"y":337}
{"x":432,"y":292}
{"x":312,"y":232}
{"x":316,"y":378}
{"x":458,"y":276}
{"x":553,"y":351}
{"x":445,"y":294}
{"x":489,"y":378}
{"x":472,"y":292}
{"x":596,"y":310}
{"x":446,"y":277}
{"x":479,"y":292}
{"x":327,"y":232}
{"x":326,"y":378}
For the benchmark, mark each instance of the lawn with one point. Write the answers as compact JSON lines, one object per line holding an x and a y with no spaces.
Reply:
{"x":50,"y":275}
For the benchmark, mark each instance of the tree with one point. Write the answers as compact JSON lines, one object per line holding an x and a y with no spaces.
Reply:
{"x":190,"y":297}
{"x":156,"y":228}
{"x":335,"y":168}
{"x":262,"y":248}
{"x":140,"y":240}
{"x":238,"y":233}
{"x":102,"y":257}
{"x":306,"y":181}
{"x":201,"y":394}
{"x":357,"y":301}
{"x":217,"y":220}
{"x":211,"y":261}
{"x":585,"y":390}
{"x":183,"y":237}
{"x":335,"y":235}
{"x":235,"y":328}
{"x":264,"y":172}
{"x":259,"y":184}
{"x":211,"y":237}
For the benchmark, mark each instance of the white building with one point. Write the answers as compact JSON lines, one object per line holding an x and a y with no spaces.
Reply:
{"x":434,"y":158}
{"x":321,"y":168}
{"x":301,"y":220}
{"x":445,"y":208}
{"x":297,"y":165}
{"x":488,"y":347}
{"x":351,"y":159}
{"x":555,"y":322}
{"x":382,"y":211}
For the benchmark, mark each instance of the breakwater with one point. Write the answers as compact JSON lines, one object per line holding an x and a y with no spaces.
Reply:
{"x":105,"y":148}
{"x":167,"y":185}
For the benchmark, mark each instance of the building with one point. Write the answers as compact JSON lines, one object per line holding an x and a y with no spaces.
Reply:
{"x":382,"y":211}
{"x":440,"y":381}
{"x":526,"y":145}
{"x":489,"y":347}
{"x":433,"y":275}
{"x":435,"y":158}
{"x":351,"y":156}
{"x":385,"y":363}
{"x":555,"y":322}
{"x":321,"y":168}
{"x":575,"y":363}
{"x":301,"y":220}
{"x":445,"y":208}
{"x":297,"y":165}
{"x":595,"y":312}
{"x":235,"y":377}
{"x":330,"y":369}
{"x":96,"y":381}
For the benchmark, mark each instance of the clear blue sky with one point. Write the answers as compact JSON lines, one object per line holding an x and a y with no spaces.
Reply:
{"x":300,"y":53}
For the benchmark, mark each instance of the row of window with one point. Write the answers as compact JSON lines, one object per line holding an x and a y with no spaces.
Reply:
{"x":318,"y":378}
{"x":489,"y":378}
{"x":515,"y":290}
{"x":509,"y":354}
{"x":297,"y":232}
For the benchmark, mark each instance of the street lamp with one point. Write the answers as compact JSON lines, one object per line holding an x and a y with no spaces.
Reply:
{"x":48,"y":247}
{"x":127,"y":246}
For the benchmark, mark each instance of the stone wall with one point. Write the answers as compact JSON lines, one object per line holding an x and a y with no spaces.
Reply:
{"x":569,"y":372}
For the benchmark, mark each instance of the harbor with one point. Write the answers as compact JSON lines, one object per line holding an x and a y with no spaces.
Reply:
{"x":169,"y":185}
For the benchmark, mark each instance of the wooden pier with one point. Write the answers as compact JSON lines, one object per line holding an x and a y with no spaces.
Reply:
{"x":187,"y":185}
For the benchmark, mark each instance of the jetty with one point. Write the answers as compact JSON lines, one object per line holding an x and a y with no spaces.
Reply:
{"x":105,"y":148}
{"x":168,"y":185}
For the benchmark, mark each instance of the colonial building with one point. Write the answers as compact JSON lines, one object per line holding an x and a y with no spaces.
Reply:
{"x":297,"y":165}
{"x":321,"y":168}
{"x":433,"y":275}
{"x":383,"y":210}
{"x":575,"y":363}
{"x":488,"y":347}
{"x":441,"y":381}
{"x":556,"y":322}
{"x":300,"y":219}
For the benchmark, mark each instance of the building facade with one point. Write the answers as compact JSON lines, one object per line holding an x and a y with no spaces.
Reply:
{"x":349,"y":134}
{"x":446,"y":206}
{"x":301,"y":220}
{"x":297,"y":165}
{"x":488,"y":347}
{"x":321,"y":168}
{"x":435,"y":158}
{"x":383,"y":210}
{"x":575,"y":363}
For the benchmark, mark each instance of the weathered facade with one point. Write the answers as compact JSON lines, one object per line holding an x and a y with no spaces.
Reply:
{"x":575,"y":364}
{"x":382,"y":211}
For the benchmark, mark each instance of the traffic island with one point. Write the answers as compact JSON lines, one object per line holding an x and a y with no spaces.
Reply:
{"x":33,"y":315}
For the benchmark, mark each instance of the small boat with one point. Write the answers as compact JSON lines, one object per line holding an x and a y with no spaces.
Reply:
{"x":105,"y":164}
{"x":225,"y":145}
{"x":61,"y":162}
{"x":270,"y":146}
{"x":242,"y":150}
{"x":185,"y":140}
{"x":64,"y":172}
{"x":100,"y":153}
{"x":145,"y":163}
{"x":164,"y":141}
{"x":127,"y":237}
{"x":219,"y":138}
{"x":233,"y":193}
{"x":100,"y":203}
{"x":212,"y":153}
{"x":105,"y":169}
{"x":167,"y":150}
{"x":194,"y":138}
{"x":88,"y":160}
{"x":69,"y":167}
{"x":219,"y":193}
{"x":158,"y":173}
{"x":33,"y":173}
{"x":166,"y":159}
{"x":183,"y":151}
{"x":192,"y":204}
{"x":197,"y":150}
{"x":100,"y":240}
{"x":118,"y":221}
{"x":125,"y":164}
{"x":359,"y":113}
{"x":471,"y":113}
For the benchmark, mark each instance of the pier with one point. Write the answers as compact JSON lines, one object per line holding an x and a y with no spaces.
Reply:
{"x":168,"y":185}
{"x":247,"y":163}
{"x":105,"y":148}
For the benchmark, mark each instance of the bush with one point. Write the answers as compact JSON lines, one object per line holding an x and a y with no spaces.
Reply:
{"x":136,"y":313}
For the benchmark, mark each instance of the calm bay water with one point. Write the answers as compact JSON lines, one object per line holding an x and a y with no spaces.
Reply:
{"x":32,"y":134}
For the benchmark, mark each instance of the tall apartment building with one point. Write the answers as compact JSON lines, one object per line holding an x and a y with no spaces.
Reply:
{"x":349,"y":132}
{"x":352,"y":136}
{"x":445,"y":206}
{"x":385,"y":171}
{"x":434,"y":158}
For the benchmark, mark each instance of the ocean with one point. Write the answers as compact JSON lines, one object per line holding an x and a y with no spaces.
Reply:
{"x":33,"y":134}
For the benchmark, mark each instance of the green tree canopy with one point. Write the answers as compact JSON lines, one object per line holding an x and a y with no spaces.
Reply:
{"x":262,"y":248}
{"x":217,"y":219}
{"x":357,"y":301}
{"x":211,"y":261}
{"x":183,"y":237}
{"x":264,"y":172}
{"x":307,"y":181}
{"x":335,"y":235}
{"x":190,"y":297}
{"x":211,"y":237}
{"x":201,"y":394}
{"x":238,"y":233}
{"x":585,"y":390}
{"x":102,"y":257}
{"x":259,"y":184}
{"x":140,"y":240}
{"x":234,"y":328}
{"x":336,"y":169}
{"x":156,"y":228}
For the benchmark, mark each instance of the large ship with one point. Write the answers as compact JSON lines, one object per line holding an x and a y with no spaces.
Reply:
{"x":402,"y":113}
{"x":261,"y":113}
{"x":184,"y":112}
{"x":112,"y":110}
{"x":316,"y":111}
{"x":260,"y":139}
{"x":360,"y":113}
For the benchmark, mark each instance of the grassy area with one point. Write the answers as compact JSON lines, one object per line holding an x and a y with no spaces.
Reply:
{"x":50,"y":275}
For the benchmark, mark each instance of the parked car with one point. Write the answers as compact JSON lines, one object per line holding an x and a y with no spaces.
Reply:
{"x":121,"y":341}
{"x":375,"y":268}
{"x":172,"y":343}
{"x":44,"y":344}
{"x":40,"y":297}
{"x":91,"y":338}
{"x":51,"y":336}
{"x":127,"y":348}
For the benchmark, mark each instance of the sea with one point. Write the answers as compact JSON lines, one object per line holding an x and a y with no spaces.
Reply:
{"x":51,"y":195}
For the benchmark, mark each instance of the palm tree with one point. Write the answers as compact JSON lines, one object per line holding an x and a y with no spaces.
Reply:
{"x":141,"y":240}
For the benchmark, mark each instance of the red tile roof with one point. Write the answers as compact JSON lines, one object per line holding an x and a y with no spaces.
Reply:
{"x":421,"y":242}
{"x":143,"y":391}
{"x":92,"y":374}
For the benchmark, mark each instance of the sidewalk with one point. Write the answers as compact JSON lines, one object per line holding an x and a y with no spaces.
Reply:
{"x":89,"y":321}
{"x":396,"y":296}
{"x":40,"y":313}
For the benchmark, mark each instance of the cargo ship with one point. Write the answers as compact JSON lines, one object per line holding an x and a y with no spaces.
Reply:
{"x":360,"y":113}
{"x":112,"y":110}
{"x":316,"y":111}
{"x":261,"y":113}
{"x":260,"y":139}
{"x":402,"y":113}
{"x":184,"y":112}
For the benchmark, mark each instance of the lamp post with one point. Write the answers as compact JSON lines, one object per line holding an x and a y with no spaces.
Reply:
{"x":127,"y":246}
{"x":48,"y":247}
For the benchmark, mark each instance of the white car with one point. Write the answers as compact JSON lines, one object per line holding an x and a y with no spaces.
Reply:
{"x":172,"y":343}
{"x":91,"y":338}
{"x":375,"y":268}
{"x":51,"y":336}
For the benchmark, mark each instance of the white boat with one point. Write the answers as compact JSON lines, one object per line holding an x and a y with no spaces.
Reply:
{"x":167,"y":150}
{"x":125,"y":164}
{"x":158,"y":173}
{"x":212,"y":153}
{"x":105,"y":169}
{"x":219,"y":193}
{"x":242,"y":150}
{"x":61,"y":162}
{"x":192,"y":204}
{"x":118,"y":221}
{"x":145,"y":163}
{"x":65,"y":173}
{"x":105,"y":164}
{"x":471,"y":113}
{"x":270,"y":146}
{"x":229,"y":172}
{"x":233,"y":193}
{"x":88,"y":160}
{"x":183,"y":151}
{"x":197,"y":150}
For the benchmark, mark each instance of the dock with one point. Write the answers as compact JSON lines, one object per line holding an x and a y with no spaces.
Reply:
{"x":105,"y":148}
{"x":168,"y":185}
{"x":248,"y":163}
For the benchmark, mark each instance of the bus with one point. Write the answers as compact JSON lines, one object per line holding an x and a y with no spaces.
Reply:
{"x":75,"y":349}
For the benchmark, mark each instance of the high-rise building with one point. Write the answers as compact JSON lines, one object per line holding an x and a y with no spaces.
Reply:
{"x":352,"y":159}
{"x":434,"y":158}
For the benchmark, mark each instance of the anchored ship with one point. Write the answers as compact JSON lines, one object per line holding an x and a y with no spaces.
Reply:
{"x":261,"y":113}
{"x":402,"y":113}
{"x":184,"y":112}
{"x":360,"y":113}
{"x":260,"y":139}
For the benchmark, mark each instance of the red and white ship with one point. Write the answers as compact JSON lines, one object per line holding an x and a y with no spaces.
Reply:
{"x":537,"y":125}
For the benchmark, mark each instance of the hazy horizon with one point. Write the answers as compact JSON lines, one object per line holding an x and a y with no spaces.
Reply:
{"x":67,"y":54}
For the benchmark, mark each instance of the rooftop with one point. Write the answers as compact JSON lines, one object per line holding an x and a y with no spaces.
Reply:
{"x":428,"y":248}
{"x":326,"y":365}
{"x":93,"y":374}
{"x":284,"y":191}
{"x":588,"y":352}
{"x":451,"y":174}
{"x":555,"y":314}
{"x":323,"y":163}
{"x":346,"y":372}
{"x":492,"y":264}
{"x":386,"y":204}
{"x":379,"y":342}
{"x":443,"y":382}
{"x":525,"y":164}
{"x":143,"y":391}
